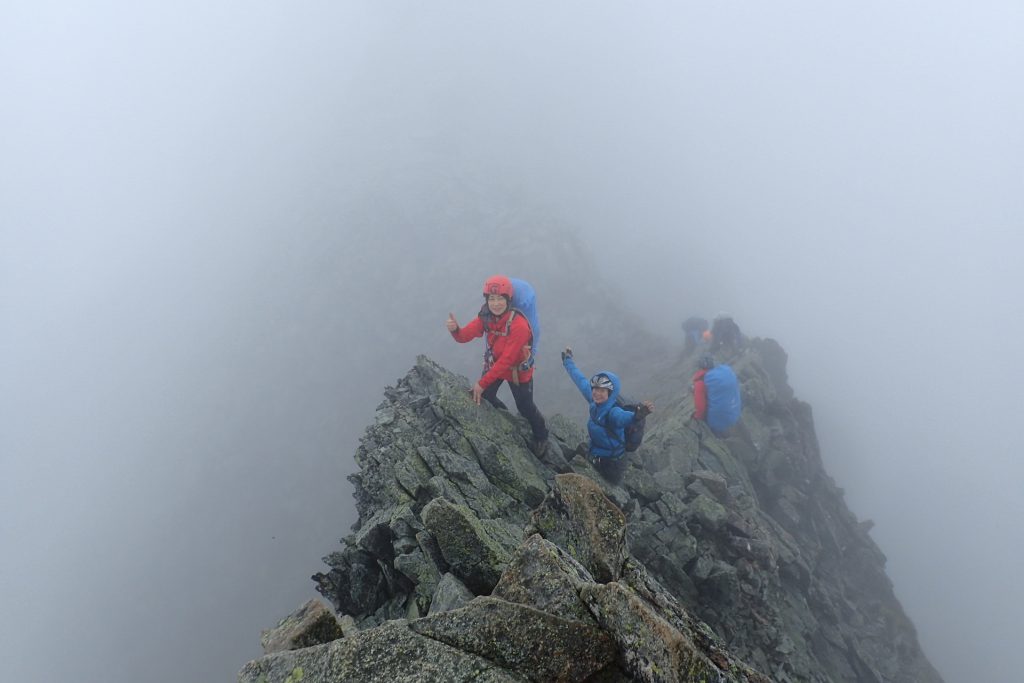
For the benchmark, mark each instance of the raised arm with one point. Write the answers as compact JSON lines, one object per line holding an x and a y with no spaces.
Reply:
{"x":581,"y":382}
{"x":623,"y":418}
{"x":474,"y":329}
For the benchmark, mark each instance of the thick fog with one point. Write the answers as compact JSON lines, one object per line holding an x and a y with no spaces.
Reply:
{"x":224,"y":227}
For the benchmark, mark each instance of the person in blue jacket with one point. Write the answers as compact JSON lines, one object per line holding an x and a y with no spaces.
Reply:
{"x":608,"y":422}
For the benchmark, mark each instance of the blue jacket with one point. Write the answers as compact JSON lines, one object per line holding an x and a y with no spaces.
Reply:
{"x":607,"y":424}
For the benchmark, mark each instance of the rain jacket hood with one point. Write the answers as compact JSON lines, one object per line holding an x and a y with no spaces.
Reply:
{"x":598,"y":412}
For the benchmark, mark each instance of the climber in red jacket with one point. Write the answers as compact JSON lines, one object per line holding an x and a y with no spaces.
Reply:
{"x":506,"y":355}
{"x":700,"y":391}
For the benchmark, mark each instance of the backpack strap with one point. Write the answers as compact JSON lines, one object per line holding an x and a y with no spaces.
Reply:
{"x":508,"y":323}
{"x":485,"y":314}
{"x":488,"y":352}
{"x":526,"y":363}
{"x":607,"y":429}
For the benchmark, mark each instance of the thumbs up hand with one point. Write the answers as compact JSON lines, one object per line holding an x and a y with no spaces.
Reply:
{"x":451,"y":323}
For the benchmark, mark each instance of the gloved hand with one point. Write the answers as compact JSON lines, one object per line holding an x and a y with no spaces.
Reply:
{"x":644,"y":409}
{"x":566,"y":354}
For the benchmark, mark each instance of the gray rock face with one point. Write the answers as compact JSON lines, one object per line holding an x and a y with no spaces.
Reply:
{"x":537,"y":644}
{"x":544,"y":576}
{"x":311,"y":624}
{"x":777,"y":565}
{"x":715,"y":560}
{"x":385,"y":654}
{"x":652,"y":649}
{"x":450,"y":594}
{"x":577,"y":516}
{"x":467,"y":548}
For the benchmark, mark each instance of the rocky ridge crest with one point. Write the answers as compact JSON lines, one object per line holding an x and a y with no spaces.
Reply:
{"x":716,"y":560}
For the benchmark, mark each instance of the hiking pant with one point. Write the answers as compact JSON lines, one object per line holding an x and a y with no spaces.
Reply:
{"x":523,"y":394}
{"x":611,"y":469}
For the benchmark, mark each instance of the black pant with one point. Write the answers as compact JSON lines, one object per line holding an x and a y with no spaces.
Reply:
{"x":523,"y":394}
{"x":612,"y":469}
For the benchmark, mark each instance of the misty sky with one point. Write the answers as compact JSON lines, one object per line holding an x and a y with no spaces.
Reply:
{"x":212,"y":213}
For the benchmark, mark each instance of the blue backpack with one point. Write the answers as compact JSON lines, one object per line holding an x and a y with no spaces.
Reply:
{"x":524,"y":300}
{"x":724,"y":404}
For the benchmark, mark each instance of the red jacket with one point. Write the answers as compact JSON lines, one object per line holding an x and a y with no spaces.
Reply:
{"x":700,"y":395}
{"x":508,"y":349}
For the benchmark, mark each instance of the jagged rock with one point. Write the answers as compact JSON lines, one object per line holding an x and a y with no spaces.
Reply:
{"x":311,"y":624}
{"x":708,"y":513}
{"x":712,"y":482}
{"x":471,"y":553}
{"x":554,"y":456}
{"x":355,"y":582}
{"x":670,"y":507}
{"x":450,"y":594}
{"x":375,"y":536}
{"x":642,"y":485}
{"x":421,"y":570}
{"x":577,"y":516}
{"x":773,"y":360}
{"x":348,"y":626}
{"x":655,"y":595}
{"x":384,"y":654}
{"x":650,"y":648}
{"x":430,"y":441}
{"x":539,"y":645}
{"x":716,"y":577}
{"x":748,"y":532}
{"x":544,"y":576}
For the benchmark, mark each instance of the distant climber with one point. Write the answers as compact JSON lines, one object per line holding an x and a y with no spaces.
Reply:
{"x":699,"y":391}
{"x":716,"y":396}
{"x":693,"y":330}
{"x":507,"y":355}
{"x":725,"y":334}
{"x":613,"y":423}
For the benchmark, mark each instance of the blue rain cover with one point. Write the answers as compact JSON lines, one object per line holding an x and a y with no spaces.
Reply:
{"x":524,"y":300}
{"x":724,"y":403}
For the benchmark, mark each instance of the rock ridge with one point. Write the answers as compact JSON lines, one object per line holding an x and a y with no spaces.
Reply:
{"x":729,"y":559}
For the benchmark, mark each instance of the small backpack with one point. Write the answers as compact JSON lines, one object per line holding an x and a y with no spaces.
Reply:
{"x":634,"y":430}
{"x":724,"y":404}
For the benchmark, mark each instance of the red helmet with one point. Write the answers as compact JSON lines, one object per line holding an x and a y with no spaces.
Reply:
{"x":498,"y":284}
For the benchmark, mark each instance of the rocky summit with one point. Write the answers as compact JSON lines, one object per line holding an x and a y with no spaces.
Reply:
{"x":716,"y":559}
